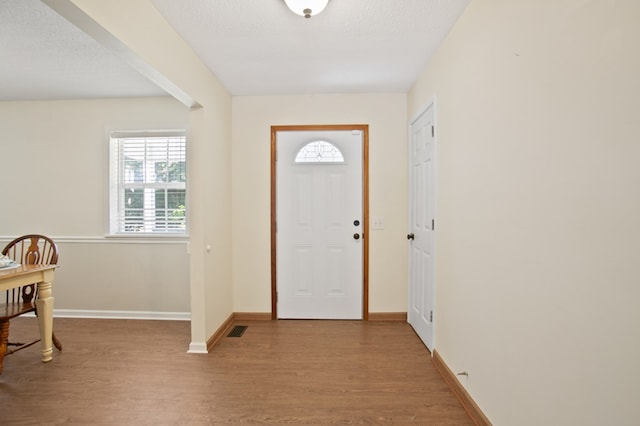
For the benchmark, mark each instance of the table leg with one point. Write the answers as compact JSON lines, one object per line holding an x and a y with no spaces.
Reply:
{"x":44,"y":304}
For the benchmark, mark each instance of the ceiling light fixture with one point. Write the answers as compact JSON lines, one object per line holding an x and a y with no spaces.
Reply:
{"x":306,"y":8}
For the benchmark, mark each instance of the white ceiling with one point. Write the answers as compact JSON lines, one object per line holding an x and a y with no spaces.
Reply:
{"x":255,"y":47}
{"x":43,"y":56}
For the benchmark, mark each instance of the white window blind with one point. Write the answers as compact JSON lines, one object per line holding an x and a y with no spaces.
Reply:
{"x":148,"y":183}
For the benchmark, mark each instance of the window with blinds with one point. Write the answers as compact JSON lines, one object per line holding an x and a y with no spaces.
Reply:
{"x":148,"y":183}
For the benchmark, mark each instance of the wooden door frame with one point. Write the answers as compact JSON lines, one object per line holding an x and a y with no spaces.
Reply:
{"x":364,"y":128}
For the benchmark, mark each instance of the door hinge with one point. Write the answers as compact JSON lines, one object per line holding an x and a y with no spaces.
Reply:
{"x":433,"y":224}
{"x":431,"y":316}
{"x":433,"y":131}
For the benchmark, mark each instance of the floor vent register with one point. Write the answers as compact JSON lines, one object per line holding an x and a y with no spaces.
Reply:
{"x":237,"y":331}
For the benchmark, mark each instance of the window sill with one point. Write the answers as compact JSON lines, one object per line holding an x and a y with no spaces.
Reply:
{"x":148,"y":237}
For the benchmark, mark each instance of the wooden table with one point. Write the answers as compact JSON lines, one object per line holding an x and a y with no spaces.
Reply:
{"x":42,"y":275}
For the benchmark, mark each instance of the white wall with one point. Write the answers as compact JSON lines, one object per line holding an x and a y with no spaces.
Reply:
{"x":252,"y":120}
{"x":55,"y":171}
{"x":538,"y":285}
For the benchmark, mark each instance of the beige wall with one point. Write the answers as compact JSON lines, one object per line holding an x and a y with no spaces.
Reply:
{"x":387,"y":119}
{"x":538,"y":287}
{"x":125,"y":26}
{"x":537,"y":283}
{"x":55,"y":172}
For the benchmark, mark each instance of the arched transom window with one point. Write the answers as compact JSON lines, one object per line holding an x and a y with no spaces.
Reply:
{"x":319,"y":152}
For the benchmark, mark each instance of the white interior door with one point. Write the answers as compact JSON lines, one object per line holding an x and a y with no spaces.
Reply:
{"x":422,"y":225}
{"x":319,"y":224}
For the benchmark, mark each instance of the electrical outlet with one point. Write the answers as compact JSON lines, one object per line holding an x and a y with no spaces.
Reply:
{"x":377,"y":222}
{"x":463,"y":377}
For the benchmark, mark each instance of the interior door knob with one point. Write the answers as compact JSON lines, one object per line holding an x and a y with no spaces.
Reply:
{"x":410,"y":236}
{"x":356,"y":236}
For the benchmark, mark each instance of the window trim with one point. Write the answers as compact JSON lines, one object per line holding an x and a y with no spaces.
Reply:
{"x":116,"y":184}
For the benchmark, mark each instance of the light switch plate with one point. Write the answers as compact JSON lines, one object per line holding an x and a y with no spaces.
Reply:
{"x":377,"y":222}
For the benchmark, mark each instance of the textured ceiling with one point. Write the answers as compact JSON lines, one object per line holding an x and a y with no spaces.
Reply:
{"x":254,"y":47}
{"x":43,"y":56}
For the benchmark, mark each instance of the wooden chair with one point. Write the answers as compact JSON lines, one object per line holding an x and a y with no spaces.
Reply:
{"x":28,"y":249}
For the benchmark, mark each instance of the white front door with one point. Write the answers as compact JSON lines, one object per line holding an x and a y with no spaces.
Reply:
{"x":422,"y":225}
{"x":319,"y":224}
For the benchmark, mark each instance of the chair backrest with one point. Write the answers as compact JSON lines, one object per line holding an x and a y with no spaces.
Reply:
{"x":32,"y":249}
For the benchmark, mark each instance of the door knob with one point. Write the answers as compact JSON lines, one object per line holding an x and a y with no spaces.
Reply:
{"x":356,"y":236}
{"x":410,"y":236}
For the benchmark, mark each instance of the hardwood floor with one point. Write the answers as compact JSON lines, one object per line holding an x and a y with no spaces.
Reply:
{"x":127,"y":372}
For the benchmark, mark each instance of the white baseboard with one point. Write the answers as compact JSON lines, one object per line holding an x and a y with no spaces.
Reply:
{"x":197,"y":348}
{"x":194,"y":348}
{"x":139,"y":315}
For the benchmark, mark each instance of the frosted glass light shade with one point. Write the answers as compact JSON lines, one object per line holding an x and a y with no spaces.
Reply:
{"x":306,"y":8}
